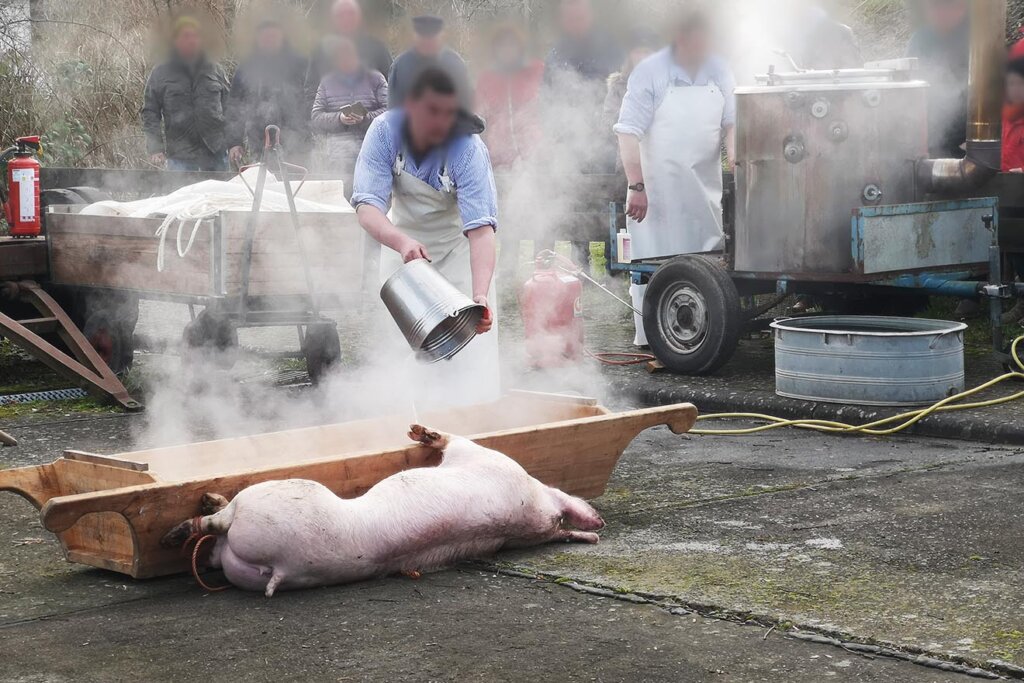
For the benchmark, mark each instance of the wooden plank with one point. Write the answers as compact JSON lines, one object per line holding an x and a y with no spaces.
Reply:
{"x":108,"y":460}
{"x":22,"y":258}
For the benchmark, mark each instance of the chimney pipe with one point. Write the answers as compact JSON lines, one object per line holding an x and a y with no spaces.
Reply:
{"x":984,"y":109}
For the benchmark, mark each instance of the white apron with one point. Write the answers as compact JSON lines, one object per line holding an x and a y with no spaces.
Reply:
{"x":432,"y":218}
{"x":681,"y":156}
{"x":682,"y":161}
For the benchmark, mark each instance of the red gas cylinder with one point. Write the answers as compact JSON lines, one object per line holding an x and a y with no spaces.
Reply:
{"x":552,"y":312}
{"x":22,"y":209}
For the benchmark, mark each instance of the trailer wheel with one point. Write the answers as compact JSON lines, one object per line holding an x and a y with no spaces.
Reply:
{"x":112,"y":339}
{"x":214,"y":333}
{"x":322,"y":349}
{"x":692,"y":315}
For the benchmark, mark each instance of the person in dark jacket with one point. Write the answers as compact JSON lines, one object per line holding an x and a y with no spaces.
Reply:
{"x":583,"y":49}
{"x":429,"y":51}
{"x":185,"y":100}
{"x":347,"y":22}
{"x":942,"y":45}
{"x":349,"y":83}
{"x":269,"y":88}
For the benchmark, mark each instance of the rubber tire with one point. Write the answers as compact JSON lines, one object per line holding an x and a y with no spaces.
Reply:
{"x":211,"y":330}
{"x":112,"y":339}
{"x":322,"y":349}
{"x":723,"y":310}
{"x":91,"y":195}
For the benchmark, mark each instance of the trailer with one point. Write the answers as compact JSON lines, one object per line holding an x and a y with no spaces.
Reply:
{"x":834,"y":197}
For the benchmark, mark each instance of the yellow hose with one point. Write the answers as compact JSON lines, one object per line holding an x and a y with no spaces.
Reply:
{"x":904,"y":420}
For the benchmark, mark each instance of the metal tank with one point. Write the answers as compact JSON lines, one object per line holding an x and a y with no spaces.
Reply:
{"x":811,"y":147}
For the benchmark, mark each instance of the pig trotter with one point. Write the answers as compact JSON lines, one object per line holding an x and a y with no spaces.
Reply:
{"x":413,"y":574}
{"x":274,"y":582}
{"x":180,"y":535}
{"x":429,"y":437}
{"x":570,"y":536}
{"x":212,"y":503}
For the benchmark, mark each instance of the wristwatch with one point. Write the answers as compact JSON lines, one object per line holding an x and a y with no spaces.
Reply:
{"x":639,"y":187}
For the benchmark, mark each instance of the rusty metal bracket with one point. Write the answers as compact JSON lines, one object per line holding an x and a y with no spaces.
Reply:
{"x":85,"y":366}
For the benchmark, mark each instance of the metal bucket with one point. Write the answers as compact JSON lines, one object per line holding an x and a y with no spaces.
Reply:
{"x":867,"y":360}
{"x":437,"y":319}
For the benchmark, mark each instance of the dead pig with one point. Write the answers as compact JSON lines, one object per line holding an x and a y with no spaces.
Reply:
{"x":284,"y":535}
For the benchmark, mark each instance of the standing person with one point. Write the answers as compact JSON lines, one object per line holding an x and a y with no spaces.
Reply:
{"x":582,"y":49}
{"x":576,"y":79}
{"x":642,"y":45}
{"x":1013,"y":147}
{"x":507,"y":96}
{"x":678,"y":110}
{"x":429,"y":51}
{"x":347,"y":22}
{"x":269,"y":88}
{"x":942,"y":45}
{"x":439,"y":187}
{"x":184,"y":105}
{"x":348,"y":83}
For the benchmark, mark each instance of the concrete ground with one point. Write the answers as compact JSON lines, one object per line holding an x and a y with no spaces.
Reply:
{"x":906,"y":543}
{"x":722,"y":556}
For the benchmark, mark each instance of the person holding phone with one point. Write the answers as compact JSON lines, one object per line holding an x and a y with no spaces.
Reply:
{"x":349,"y":98}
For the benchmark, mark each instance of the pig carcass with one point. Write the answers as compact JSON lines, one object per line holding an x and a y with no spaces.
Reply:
{"x":285,"y":535}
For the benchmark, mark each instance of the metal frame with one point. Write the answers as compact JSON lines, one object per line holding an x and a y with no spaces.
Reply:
{"x":83,"y":364}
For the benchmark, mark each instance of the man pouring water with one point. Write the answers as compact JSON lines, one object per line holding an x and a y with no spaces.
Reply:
{"x":426,"y":163}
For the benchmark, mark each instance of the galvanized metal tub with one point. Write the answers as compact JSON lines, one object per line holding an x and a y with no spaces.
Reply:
{"x":869,"y":360}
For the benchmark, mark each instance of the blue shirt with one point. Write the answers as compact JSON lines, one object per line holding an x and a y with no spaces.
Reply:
{"x":650,"y":81}
{"x":468,"y":165}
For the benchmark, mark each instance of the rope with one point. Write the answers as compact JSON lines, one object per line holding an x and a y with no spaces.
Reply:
{"x":902,"y":421}
{"x":195,"y":566}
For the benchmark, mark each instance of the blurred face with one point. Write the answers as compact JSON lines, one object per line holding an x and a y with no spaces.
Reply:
{"x":346,"y":57}
{"x":347,"y":17}
{"x":693,"y":47}
{"x":188,"y":43}
{"x":944,"y":16}
{"x":1014,"y":88}
{"x":576,"y":17}
{"x":639,"y":54}
{"x":508,"y":52}
{"x":431,"y":118}
{"x":430,"y":46}
{"x":270,"y":40}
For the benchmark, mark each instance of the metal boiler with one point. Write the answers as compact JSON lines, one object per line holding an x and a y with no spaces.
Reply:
{"x":811,"y":147}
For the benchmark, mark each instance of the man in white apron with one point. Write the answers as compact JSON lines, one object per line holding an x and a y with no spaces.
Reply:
{"x":438,"y":184}
{"x":678,"y":109}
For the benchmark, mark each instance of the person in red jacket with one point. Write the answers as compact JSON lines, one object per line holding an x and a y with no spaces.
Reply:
{"x":507,"y":98}
{"x":1013,"y":145}
{"x":1013,"y":118}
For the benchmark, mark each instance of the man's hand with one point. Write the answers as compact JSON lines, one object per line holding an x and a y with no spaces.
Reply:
{"x":636,"y":206}
{"x":158,"y":159}
{"x":351,"y":120}
{"x":412,"y":250}
{"x":487,"y":322}
{"x":235,"y":155}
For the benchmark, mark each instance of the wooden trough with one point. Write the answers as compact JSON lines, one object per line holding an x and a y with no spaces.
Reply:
{"x":111,"y":511}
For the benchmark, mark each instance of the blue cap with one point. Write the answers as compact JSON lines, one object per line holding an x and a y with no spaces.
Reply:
{"x":427,"y":25}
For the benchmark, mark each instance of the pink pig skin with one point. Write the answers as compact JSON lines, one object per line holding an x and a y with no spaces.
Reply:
{"x":284,"y":535}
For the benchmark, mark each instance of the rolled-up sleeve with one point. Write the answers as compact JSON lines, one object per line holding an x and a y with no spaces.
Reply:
{"x":638,"y":106}
{"x":475,"y":189}
{"x":374,"y":177}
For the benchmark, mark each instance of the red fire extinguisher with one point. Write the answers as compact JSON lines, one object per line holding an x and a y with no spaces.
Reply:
{"x":21,"y":205}
{"x":551,"y":306}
